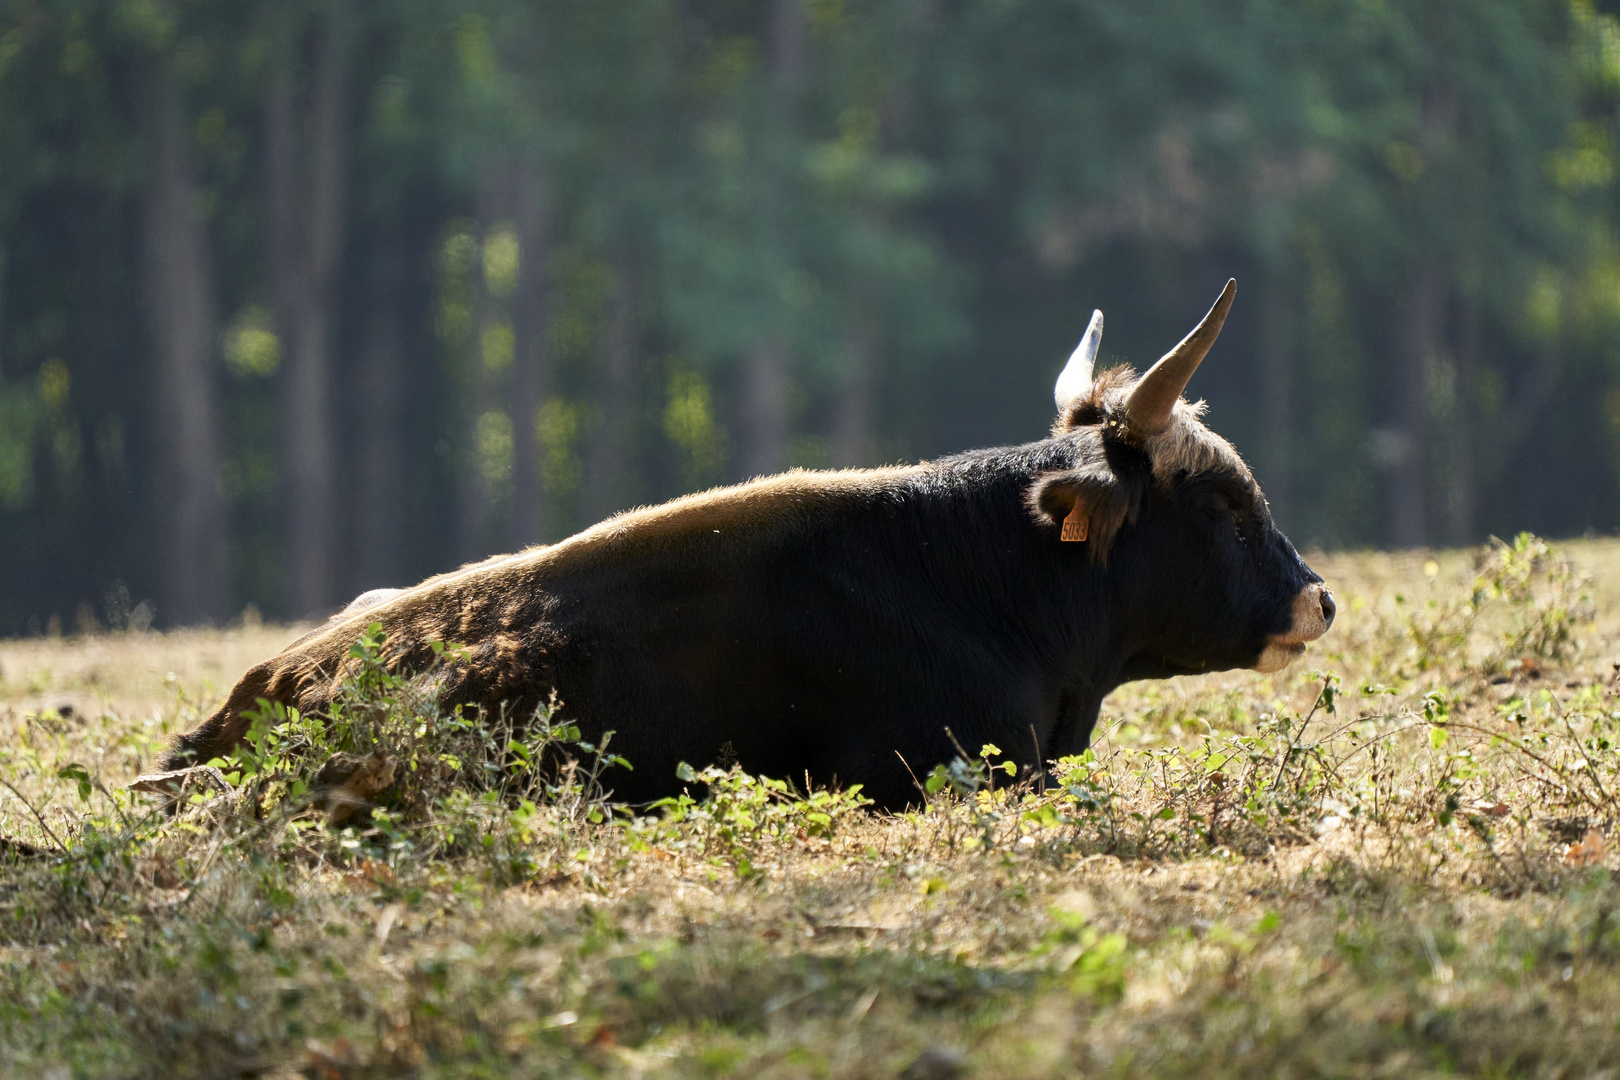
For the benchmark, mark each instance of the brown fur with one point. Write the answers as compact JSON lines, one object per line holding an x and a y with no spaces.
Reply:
{"x":1185,"y":444}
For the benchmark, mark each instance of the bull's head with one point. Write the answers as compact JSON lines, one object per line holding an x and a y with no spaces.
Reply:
{"x":1210,"y":580}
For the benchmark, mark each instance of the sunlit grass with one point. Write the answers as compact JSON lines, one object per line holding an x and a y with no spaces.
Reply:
{"x":1392,"y":859}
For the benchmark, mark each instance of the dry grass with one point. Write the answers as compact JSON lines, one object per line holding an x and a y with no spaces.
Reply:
{"x":1240,"y":881}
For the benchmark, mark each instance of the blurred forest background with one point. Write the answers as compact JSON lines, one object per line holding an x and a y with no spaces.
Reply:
{"x":303,"y":298}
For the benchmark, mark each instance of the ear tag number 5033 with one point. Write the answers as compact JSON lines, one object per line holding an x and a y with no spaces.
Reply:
{"x":1076,"y":525}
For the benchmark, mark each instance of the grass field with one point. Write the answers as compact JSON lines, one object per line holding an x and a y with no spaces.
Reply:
{"x":1393,"y":859}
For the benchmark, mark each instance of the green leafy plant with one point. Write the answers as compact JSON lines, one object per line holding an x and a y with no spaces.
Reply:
{"x":742,"y":815}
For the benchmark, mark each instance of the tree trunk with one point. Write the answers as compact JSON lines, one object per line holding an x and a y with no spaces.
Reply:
{"x":179,"y":297}
{"x":378,"y":420}
{"x":306,"y":171}
{"x":1463,"y":501}
{"x":4,"y":284}
{"x":762,"y":433}
{"x":764,"y":422}
{"x":605,"y":488}
{"x":857,"y":403}
{"x":531,"y":375}
{"x":1276,"y":363}
{"x":475,"y":495}
{"x":1422,"y":338}
{"x":787,"y":51}
{"x":1423,"y":323}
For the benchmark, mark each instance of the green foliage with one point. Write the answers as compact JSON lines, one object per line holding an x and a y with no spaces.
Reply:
{"x":741,"y":817}
{"x":690,"y":423}
{"x":964,"y":776}
{"x":1523,"y":597}
{"x":251,"y":346}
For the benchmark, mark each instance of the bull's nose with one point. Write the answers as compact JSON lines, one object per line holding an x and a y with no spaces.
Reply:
{"x":1329,"y":608}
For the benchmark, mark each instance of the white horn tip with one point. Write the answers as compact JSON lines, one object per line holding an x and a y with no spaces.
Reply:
{"x":1076,"y":377}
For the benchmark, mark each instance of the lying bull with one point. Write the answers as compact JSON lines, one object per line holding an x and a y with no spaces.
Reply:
{"x":837,"y":623}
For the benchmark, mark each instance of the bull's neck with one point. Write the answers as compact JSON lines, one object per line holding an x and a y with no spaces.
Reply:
{"x":1053,"y":598}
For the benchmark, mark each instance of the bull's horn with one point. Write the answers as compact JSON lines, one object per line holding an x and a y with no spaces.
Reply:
{"x":1148,"y":407}
{"x":1076,"y":377}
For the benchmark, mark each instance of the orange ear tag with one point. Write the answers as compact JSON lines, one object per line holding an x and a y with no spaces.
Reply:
{"x":1076,"y":525}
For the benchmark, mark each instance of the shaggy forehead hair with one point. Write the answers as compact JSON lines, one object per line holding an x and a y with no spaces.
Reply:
{"x":1185,"y":444}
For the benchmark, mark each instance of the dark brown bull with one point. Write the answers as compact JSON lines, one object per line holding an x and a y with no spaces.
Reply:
{"x":835,"y":623}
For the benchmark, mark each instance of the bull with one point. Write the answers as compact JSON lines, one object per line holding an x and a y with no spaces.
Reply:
{"x":835,"y":624}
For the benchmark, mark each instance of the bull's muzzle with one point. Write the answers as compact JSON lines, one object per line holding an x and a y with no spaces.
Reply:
{"x":1311,"y":615}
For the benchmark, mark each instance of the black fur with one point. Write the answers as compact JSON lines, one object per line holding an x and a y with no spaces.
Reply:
{"x":848,"y":648}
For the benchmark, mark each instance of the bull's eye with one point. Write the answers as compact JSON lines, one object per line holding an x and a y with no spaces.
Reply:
{"x":1233,"y":512}
{"x":1224,"y":519}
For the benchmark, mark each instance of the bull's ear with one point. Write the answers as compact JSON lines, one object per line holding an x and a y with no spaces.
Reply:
{"x":1086,"y":506}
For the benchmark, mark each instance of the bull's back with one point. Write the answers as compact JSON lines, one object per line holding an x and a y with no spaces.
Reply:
{"x":791,"y":642}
